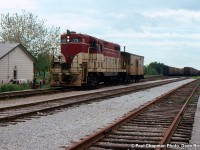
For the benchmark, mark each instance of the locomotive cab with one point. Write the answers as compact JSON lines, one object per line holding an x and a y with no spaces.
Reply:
{"x":75,"y":50}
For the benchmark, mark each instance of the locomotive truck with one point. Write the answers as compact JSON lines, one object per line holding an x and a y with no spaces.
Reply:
{"x":88,"y":61}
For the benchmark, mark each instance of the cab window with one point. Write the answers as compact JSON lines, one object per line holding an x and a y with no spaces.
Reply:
{"x":93,"y":44}
{"x":100,"y":47}
{"x":75,"y":40}
{"x":63,"y":40}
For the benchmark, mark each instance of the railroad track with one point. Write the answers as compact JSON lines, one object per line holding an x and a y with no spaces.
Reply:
{"x":165,"y":123}
{"x":26,"y":93}
{"x":17,"y":113}
{"x":155,"y":77}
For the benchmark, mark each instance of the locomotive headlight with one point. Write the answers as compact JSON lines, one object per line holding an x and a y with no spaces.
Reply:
{"x":68,"y":38}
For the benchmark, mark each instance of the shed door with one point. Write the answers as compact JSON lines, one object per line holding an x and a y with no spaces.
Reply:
{"x":15,"y":74}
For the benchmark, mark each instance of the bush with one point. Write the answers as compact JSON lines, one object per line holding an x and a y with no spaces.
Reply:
{"x":14,"y":87}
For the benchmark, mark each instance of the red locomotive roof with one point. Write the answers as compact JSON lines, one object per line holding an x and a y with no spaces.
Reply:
{"x":79,"y":35}
{"x":73,"y":43}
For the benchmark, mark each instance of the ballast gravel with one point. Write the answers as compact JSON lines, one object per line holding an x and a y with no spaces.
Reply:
{"x":52,"y":132}
{"x":195,"y":139}
{"x":39,"y":98}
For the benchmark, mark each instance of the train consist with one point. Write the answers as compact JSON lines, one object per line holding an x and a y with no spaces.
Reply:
{"x":186,"y":71}
{"x":88,"y":61}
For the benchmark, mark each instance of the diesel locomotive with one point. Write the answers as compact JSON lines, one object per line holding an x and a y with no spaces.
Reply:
{"x":88,"y":61}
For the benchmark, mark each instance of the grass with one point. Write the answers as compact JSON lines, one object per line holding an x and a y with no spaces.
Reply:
{"x":14,"y":87}
{"x":195,"y":96}
{"x":25,"y":86}
{"x":196,"y":77}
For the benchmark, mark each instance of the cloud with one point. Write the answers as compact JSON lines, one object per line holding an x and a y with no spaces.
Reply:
{"x":160,"y":30}
{"x":11,"y":6}
{"x":172,"y":13}
{"x":143,"y":5}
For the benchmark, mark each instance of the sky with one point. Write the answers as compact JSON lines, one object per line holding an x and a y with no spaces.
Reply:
{"x":165,"y":31}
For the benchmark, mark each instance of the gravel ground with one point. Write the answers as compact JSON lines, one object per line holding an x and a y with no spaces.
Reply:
{"x":195,"y":139}
{"x":18,"y":101}
{"x":61,"y":129}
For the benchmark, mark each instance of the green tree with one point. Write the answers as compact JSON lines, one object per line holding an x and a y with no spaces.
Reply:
{"x":154,"y":68}
{"x":149,"y":70}
{"x":31,"y":32}
{"x":43,"y":63}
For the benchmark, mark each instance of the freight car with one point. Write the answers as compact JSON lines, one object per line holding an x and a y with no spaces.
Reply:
{"x":172,"y":71}
{"x":189,"y":71}
{"x":186,"y":71}
{"x":87,"y":61}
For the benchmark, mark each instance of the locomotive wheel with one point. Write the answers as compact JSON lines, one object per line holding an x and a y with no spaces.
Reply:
{"x":137,"y":79}
{"x":92,"y":80}
{"x":120,"y":79}
{"x":128,"y":80}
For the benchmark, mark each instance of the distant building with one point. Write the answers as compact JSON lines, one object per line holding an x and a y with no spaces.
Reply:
{"x":15,"y":63}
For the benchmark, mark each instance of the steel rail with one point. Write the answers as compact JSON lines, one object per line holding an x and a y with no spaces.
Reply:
{"x":88,"y":141}
{"x":170,"y":131}
{"x":132,"y":88}
{"x":64,"y":102}
{"x":26,"y":93}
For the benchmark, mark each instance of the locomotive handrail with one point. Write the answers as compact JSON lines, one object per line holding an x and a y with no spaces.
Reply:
{"x":87,"y":63}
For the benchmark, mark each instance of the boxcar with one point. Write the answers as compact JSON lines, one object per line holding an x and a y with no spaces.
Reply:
{"x":189,"y":71}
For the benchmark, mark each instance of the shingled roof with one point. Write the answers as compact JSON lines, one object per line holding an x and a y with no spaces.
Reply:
{"x":6,"y":48}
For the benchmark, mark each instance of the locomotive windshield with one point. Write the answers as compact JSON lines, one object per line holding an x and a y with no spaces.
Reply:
{"x":63,"y":40}
{"x":73,"y":40}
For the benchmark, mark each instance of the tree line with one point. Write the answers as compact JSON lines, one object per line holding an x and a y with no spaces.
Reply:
{"x":154,"y":68}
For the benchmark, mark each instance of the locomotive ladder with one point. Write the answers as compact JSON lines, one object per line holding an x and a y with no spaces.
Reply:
{"x":86,"y":67}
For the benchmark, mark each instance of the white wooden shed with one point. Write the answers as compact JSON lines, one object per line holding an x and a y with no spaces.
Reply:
{"x":15,"y":63}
